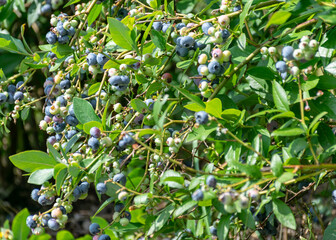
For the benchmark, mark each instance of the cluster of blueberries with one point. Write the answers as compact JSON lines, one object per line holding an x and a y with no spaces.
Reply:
{"x":62,"y":29}
{"x":14,"y":94}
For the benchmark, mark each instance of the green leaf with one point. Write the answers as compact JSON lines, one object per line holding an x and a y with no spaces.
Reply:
{"x":72,"y":142}
{"x":316,"y":120}
{"x":71,"y":2}
{"x":94,"y":88}
{"x":121,"y":34}
{"x":330,"y":231}
{"x":184,"y":64}
{"x":25,"y":113}
{"x":311,"y":82}
{"x":287,"y":132}
{"x":194,"y":107}
{"x":326,"y":82}
{"x":214,"y":107}
{"x":185,"y":207}
{"x":139,"y":105}
{"x":62,"y":50}
{"x":104,"y":205}
{"x":60,"y":173}
{"x":202,"y":132}
{"x":223,"y":227}
{"x":65,"y":235}
{"x":84,"y":111}
{"x":278,"y":18}
{"x":331,"y":68}
{"x":244,"y":14}
{"x":20,"y":229}
{"x":158,"y":39}
{"x":276,"y":165}
{"x":38,"y":177}
{"x":172,"y":179}
{"x":284,"y":214}
{"x":141,"y":199}
{"x":30,"y":161}
{"x":94,"y":13}
{"x":161,"y":219}
{"x":280,"y":97}
{"x":261,"y":72}
{"x":112,"y":63}
{"x":231,"y":114}
{"x":190,"y":96}
{"x":12,"y":44}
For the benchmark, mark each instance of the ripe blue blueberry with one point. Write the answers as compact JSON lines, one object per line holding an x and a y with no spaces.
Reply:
{"x":52,"y":140}
{"x":165,"y":27}
{"x":213,"y":231}
{"x":120,"y":178}
{"x":104,"y":237}
{"x":91,"y":59}
{"x":180,"y":25}
{"x":119,"y":207}
{"x":84,"y":187}
{"x":11,"y":88}
{"x":60,"y":29}
{"x":30,"y":222}
{"x":44,"y":200}
{"x":71,"y":31}
{"x":201,"y":117}
{"x":51,"y":38}
{"x":333,"y":196}
{"x":200,"y":45}
{"x":93,"y":143}
{"x":95,"y":132}
{"x":53,"y":224}
{"x":35,"y":194}
{"x":3,"y":98}
{"x":63,"y":39}
{"x":101,"y":188}
{"x":205,"y":27}
{"x":46,"y":9}
{"x":211,"y":181}
{"x":69,"y":134}
{"x":94,"y":228}
{"x":58,"y":137}
{"x":197,"y":195}
{"x":101,"y":59}
{"x":157,"y":26}
{"x":76,"y":193}
{"x":45,"y":219}
{"x":187,"y":42}
{"x":182,"y":51}
{"x":59,"y":127}
{"x":18,"y":96}
{"x":287,"y":52}
{"x":236,"y":8}
{"x":281,"y":67}
{"x":65,"y":84}
{"x":71,"y":120}
{"x":214,"y":67}
{"x":62,"y":100}
{"x":225,"y":34}
{"x":19,"y":86}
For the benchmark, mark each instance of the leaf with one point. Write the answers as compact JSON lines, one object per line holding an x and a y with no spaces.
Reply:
{"x":84,"y":111}
{"x":72,"y":142}
{"x":94,"y":88}
{"x":38,"y":177}
{"x":262,"y":72}
{"x":60,"y":173}
{"x":65,"y":235}
{"x":172,"y":179}
{"x":311,"y":82}
{"x":276,"y":165}
{"x":330,"y":231}
{"x":104,"y":205}
{"x":287,"y":132}
{"x":20,"y":229}
{"x":185,"y":207}
{"x":231,"y":114}
{"x":71,"y":2}
{"x":202,"y":132}
{"x":141,"y":199}
{"x":331,"y":68}
{"x":223,"y":227}
{"x":25,"y":113}
{"x":190,"y":96}
{"x":214,"y":107}
{"x":12,"y":44}
{"x":32,"y":160}
{"x":279,"y":97}
{"x":62,"y":50}
{"x":56,"y":155}
{"x":284,"y":214}
{"x":121,"y":34}
{"x":161,"y":219}
{"x":326,"y":82}
{"x":94,"y":13}
{"x":244,"y":14}
{"x":184,"y":64}
{"x":194,"y":107}
{"x":139,"y":105}
{"x":278,"y":18}
{"x":33,"y":12}
{"x":282,"y":115}
{"x":316,"y":119}
{"x":158,"y":39}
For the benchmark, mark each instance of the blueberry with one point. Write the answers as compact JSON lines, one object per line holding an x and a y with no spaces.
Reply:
{"x":71,"y":110}
{"x":127,"y":215}
{"x":281,"y":67}
{"x":59,"y":127}
{"x":60,"y":28}
{"x":180,"y":25}
{"x":236,"y":8}
{"x":128,"y":139}
{"x":46,"y":9}
{"x":63,"y":39}
{"x":18,"y":96}
{"x":52,"y":140}
{"x":47,"y":89}
{"x":283,"y":75}
{"x":119,"y":207}
{"x":43,"y":200}
{"x":197,"y":195}
{"x":94,"y":228}
{"x":178,"y":41}
{"x":201,"y":117}
{"x":11,"y":88}
{"x":122,"y":158}
{"x":19,"y":86}
{"x":71,"y":120}
{"x":101,"y":59}
{"x":225,"y":34}
{"x":93,"y":143}
{"x":122,"y":144}
{"x":182,"y":51}
{"x":157,"y":26}
{"x":51,"y":54}
{"x":91,"y":59}
{"x":51,"y":38}
{"x":95,"y":132}
{"x":213,"y":231}
{"x":165,"y":27}
{"x":58,"y":137}
{"x":53,"y":224}
{"x":211,"y":181}
{"x":122,"y":12}
{"x":214,"y":67}
{"x":150,"y":103}
{"x":30,"y":222}
{"x":199,"y":45}
{"x":35,"y":194}
{"x":62,"y":101}
{"x":45,"y":219}
{"x":187,"y":42}
{"x":120,"y":178}
{"x":69,"y":134}
{"x":287,"y":52}
{"x":84,"y":187}
{"x":71,"y":31}
{"x":3,"y":2}
{"x":76,"y":193}
{"x":3,"y":98}
{"x":101,"y":188}
{"x":104,"y":237}
{"x":205,"y":27}
{"x":125,"y":79}
{"x":333,"y":196}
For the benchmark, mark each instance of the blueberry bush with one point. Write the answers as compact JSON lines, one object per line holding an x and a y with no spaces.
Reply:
{"x":191,"y":119}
